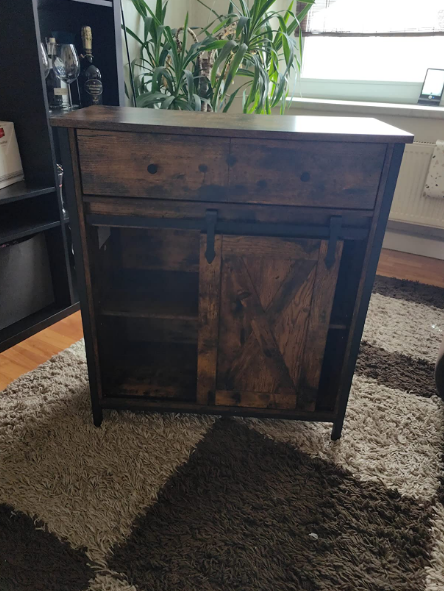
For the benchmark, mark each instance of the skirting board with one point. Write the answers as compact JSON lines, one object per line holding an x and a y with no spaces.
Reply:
{"x":427,"y":247}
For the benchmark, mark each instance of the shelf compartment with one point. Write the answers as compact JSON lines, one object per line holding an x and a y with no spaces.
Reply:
{"x":156,"y":371}
{"x":23,"y":190}
{"x":157,"y":294}
{"x":21,"y":218}
{"x":25,"y":328}
{"x":24,"y":227}
{"x":160,"y":330}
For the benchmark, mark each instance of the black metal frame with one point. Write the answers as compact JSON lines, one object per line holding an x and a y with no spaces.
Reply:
{"x":81,"y":282}
{"x":370,"y":275}
{"x":229,"y":227}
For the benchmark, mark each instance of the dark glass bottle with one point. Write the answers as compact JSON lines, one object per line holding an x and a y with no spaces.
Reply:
{"x":91,"y":87}
{"x":53,"y":85}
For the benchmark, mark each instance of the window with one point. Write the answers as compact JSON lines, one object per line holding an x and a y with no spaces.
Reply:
{"x":390,"y":59}
{"x":380,"y":42}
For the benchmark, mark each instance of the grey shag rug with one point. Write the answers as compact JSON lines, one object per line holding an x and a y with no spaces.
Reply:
{"x":175,"y":502}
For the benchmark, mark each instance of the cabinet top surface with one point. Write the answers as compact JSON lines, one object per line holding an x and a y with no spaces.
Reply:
{"x":350,"y":129}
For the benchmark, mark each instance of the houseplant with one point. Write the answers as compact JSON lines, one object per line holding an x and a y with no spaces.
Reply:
{"x":257,"y":47}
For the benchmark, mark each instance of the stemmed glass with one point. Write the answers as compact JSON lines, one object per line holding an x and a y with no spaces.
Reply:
{"x":45,"y":61}
{"x":67,"y":66}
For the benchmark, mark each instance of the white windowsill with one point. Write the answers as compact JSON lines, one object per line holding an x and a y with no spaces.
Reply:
{"x":366,"y":108}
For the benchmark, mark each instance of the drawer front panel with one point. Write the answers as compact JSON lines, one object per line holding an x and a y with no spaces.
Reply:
{"x":153,"y":165}
{"x":312,"y":174}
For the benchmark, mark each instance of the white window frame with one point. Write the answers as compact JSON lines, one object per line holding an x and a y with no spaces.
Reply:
{"x":357,"y":90}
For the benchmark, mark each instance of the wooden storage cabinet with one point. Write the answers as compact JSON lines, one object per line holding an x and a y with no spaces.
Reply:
{"x":227,"y":268}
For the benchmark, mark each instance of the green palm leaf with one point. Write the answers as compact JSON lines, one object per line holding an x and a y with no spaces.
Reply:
{"x":255,"y":40}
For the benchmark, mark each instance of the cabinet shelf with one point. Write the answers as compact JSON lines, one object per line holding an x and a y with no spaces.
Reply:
{"x":14,"y":230}
{"x":107,"y":3}
{"x":23,"y":190}
{"x":33,"y":323}
{"x":164,"y":295}
{"x":156,"y":371}
{"x":149,"y":303}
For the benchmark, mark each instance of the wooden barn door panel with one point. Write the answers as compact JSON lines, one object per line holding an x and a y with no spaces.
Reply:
{"x":274,"y":303}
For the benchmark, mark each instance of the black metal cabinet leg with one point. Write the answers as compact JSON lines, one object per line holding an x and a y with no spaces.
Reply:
{"x":97,"y":417}
{"x":337,"y":429}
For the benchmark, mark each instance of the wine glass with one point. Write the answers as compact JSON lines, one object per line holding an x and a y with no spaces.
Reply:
{"x":45,"y":61}
{"x":66,"y":66}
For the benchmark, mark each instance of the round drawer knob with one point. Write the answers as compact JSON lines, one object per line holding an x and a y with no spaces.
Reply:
{"x":152,"y":168}
{"x":305,"y":177}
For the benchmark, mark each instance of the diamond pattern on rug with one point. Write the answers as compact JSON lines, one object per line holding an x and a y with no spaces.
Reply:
{"x":389,"y":436}
{"x":435,"y":571}
{"x":239,"y":511}
{"x":248,"y":513}
{"x":395,"y":370}
{"x":86,"y":484}
{"x":33,"y":559}
{"x":411,"y":328}
{"x":410,"y":291}
{"x":109,"y":582}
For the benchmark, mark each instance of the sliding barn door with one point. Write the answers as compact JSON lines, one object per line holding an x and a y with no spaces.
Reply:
{"x":264,"y":314}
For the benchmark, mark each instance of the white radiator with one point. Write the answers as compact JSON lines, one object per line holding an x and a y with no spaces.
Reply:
{"x":409,"y":205}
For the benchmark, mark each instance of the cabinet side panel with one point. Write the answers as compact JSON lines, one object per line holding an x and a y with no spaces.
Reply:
{"x":374,"y":244}
{"x":82,"y":258}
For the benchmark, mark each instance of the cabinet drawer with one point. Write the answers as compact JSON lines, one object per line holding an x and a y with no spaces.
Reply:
{"x":159,"y":166}
{"x":153,"y":165}
{"x":313,"y":174}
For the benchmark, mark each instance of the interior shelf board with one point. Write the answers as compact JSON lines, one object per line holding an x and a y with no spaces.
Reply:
{"x":23,"y":190}
{"x":25,"y":328}
{"x":146,"y":304}
{"x":107,"y":3}
{"x":24,"y":227}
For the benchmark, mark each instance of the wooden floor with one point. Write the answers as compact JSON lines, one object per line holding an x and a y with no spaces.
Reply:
{"x":36,"y":350}
{"x":31,"y":353}
{"x":409,"y":266}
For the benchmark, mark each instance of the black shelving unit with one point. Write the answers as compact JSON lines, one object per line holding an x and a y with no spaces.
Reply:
{"x":34,"y":206}
{"x":22,"y":190}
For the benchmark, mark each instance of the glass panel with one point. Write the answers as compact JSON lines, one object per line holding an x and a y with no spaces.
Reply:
{"x":403,"y":59}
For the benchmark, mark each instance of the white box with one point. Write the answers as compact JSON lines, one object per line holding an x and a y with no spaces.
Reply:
{"x":11,"y":170}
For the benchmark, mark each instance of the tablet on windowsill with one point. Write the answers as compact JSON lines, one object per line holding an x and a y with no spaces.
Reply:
{"x":432,"y":89}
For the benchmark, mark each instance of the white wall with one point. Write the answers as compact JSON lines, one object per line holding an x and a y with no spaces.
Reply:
{"x":201,"y":17}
